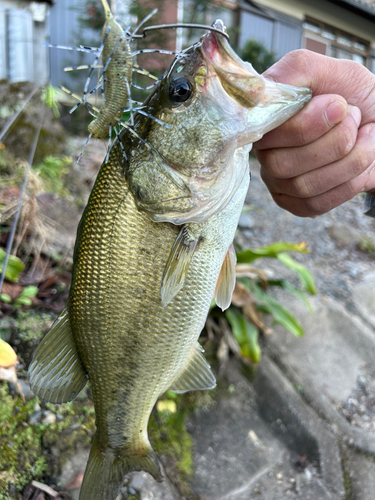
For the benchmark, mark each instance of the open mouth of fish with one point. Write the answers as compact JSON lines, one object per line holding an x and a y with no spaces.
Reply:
{"x":240,"y":106}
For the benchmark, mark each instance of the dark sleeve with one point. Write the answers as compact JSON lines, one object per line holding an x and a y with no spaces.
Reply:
{"x":369,"y":205}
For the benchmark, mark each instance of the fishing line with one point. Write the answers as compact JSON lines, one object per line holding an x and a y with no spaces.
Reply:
{"x":23,"y":189}
{"x":16,"y":115}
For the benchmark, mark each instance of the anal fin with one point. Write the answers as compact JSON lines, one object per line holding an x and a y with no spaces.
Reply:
{"x":56,"y":373}
{"x":196,"y":374}
{"x":227,"y":280}
{"x":177,"y":265}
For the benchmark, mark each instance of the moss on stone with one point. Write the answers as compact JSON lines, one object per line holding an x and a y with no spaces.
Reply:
{"x":36,"y":450}
{"x":170,"y":438}
{"x":21,"y":456}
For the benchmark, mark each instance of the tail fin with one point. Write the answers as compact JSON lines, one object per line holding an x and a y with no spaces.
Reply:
{"x":105,"y":471}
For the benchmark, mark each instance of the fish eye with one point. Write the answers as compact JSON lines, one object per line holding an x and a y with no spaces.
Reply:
{"x":180,"y":90}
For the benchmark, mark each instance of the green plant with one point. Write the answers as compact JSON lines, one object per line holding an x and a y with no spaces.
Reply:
{"x":367,"y":244}
{"x":257,"y":54}
{"x":51,"y":170}
{"x":49,"y":97}
{"x":24,"y":298}
{"x":252,"y":298}
{"x":169,"y":436}
{"x":15,"y":266}
{"x":21,"y":457}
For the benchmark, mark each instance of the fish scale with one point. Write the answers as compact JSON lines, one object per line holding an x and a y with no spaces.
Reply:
{"x":123,"y":270}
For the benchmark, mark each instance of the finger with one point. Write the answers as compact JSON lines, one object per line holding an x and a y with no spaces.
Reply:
{"x":322,"y":74}
{"x":323,"y":203}
{"x":334,"y":145}
{"x":323,"y":179}
{"x":315,"y":120}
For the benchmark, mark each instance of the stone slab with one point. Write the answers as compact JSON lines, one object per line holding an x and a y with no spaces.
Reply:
{"x":261,"y":431}
{"x":364,"y":298}
{"x":360,"y":471}
{"x":327,"y":361}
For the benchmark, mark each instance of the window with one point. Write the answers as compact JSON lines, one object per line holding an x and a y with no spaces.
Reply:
{"x":330,"y":41}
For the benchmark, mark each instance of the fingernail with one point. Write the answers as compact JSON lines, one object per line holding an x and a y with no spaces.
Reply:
{"x":372,"y":132}
{"x":356,"y":114}
{"x":335,"y":112}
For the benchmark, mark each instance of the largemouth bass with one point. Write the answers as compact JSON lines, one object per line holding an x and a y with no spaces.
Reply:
{"x":221,"y":105}
{"x":115,"y":330}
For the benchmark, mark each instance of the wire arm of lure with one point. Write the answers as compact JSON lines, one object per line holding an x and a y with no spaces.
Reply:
{"x":89,"y":106}
{"x":142,"y":71}
{"x":180,"y":25}
{"x":84,"y":66}
{"x":89,"y":50}
{"x":140,"y":110}
{"x":139,"y":87}
{"x":117,"y":132}
{"x":154,"y":51}
{"x":136,"y":69}
{"x":96,"y":61}
{"x":133,"y":132}
{"x":85,"y":98}
{"x":84,"y":147}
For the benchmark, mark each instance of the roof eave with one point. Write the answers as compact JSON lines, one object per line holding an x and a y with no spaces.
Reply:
{"x":359,"y":8}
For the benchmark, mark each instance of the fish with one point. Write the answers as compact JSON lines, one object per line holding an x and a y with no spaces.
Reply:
{"x":115,"y":330}
{"x":239,"y":107}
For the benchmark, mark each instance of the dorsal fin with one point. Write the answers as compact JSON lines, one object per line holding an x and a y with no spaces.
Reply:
{"x":177,"y":265}
{"x":56,"y":373}
{"x":196,"y":374}
{"x":227,"y":280}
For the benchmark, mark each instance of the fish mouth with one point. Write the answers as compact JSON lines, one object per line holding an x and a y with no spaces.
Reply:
{"x":265,"y":104}
{"x":237,"y":77}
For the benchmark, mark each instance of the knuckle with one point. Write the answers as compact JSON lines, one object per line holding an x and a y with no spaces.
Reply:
{"x":318,"y":205}
{"x":299,"y":59}
{"x":301,"y":187}
{"x":350,"y":189}
{"x":344,"y":140}
{"x":359,"y":163}
{"x":279,"y":163}
{"x":300,"y":131}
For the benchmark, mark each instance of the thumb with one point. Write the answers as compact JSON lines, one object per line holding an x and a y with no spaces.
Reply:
{"x":326,"y":75}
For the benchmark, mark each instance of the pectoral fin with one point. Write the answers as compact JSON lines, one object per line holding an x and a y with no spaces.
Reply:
{"x":227,"y":280}
{"x":177,"y":266}
{"x":56,"y":373}
{"x":196,"y":374}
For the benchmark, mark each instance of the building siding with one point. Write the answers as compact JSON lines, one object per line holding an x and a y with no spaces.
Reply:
{"x":256,"y":27}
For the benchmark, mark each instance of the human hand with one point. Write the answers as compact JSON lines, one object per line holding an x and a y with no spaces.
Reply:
{"x":324,"y":155}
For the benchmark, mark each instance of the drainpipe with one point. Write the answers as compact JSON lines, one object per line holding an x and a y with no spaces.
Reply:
{"x":180,"y":19}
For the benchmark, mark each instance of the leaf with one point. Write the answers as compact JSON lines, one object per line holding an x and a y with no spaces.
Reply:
{"x":270,"y":251}
{"x":304,"y":275}
{"x":233,"y":317}
{"x":285,"y":318}
{"x":213,"y":304}
{"x":248,"y":208}
{"x":299,"y":294}
{"x":241,"y":295}
{"x":14,"y":268}
{"x":245,"y":333}
{"x":280,"y":314}
{"x":29,"y":291}
{"x":166,"y":405}
{"x":24,"y":301}
{"x":6,"y":298}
